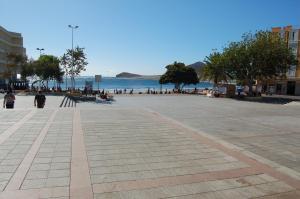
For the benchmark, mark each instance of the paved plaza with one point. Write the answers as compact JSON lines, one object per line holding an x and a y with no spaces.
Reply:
{"x":148,"y":147}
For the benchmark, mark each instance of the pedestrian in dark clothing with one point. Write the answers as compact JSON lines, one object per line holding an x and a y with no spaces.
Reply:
{"x":9,"y":100}
{"x":39,"y":100}
{"x":85,"y":91}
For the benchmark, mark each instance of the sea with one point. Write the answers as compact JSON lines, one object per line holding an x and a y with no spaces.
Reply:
{"x":137,"y":84}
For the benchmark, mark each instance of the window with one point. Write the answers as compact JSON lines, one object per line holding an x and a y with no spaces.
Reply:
{"x":292,"y":71}
{"x":293,"y":36}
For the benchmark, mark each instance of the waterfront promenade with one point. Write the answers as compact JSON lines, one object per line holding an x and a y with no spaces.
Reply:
{"x":150,"y":147}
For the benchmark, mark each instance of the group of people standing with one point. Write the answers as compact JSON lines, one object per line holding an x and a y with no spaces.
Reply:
{"x":116,"y":91}
{"x":9,"y":100}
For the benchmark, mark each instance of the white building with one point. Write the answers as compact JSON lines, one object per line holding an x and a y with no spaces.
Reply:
{"x":10,"y":42}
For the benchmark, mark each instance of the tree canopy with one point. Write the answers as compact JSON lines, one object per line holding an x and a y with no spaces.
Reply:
{"x":74,"y":62}
{"x":258,"y":56}
{"x":214,"y":69}
{"x":28,"y":69}
{"x":46,"y":68}
{"x":49,"y":67}
{"x":180,"y":75}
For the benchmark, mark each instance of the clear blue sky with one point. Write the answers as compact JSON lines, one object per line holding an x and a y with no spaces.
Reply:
{"x":141,"y":36}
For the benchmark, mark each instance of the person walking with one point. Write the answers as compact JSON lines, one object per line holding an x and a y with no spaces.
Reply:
{"x":9,"y":100}
{"x":39,"y":100}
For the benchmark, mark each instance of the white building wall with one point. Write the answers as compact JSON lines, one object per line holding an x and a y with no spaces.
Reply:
{"x":10,"y":42}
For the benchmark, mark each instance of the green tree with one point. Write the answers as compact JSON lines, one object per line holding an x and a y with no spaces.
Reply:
{"x":258,"y":56}
{"x":215,"y":68}
{"x":180,"y":75}
{"x":75,"y":62}
{"x":47,"y":68}
{"x":28,"y":69}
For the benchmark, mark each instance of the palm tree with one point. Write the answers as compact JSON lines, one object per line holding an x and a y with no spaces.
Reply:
{"x":214,"y":69}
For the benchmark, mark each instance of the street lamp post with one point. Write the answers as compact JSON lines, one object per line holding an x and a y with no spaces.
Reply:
{"x":72,"y":73}
{"x":40,"y":49}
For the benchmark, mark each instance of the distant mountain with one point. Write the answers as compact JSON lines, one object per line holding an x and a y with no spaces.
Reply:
{"x":127,"y":75}
{"x":136,"y":76}
{"x":197,"y":66}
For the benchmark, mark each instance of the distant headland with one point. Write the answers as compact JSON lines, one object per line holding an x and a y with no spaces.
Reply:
{"x":137,"y":76}
{"x":127,"y":75}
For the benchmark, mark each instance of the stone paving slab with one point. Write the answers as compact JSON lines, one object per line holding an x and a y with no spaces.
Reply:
{"x":246,"y":187}
{"x":46,"y":169}
{"x":14,"y":148}
{"x":114,"y":151}
{"x":268,"y":130}
{"x":141,"y":165}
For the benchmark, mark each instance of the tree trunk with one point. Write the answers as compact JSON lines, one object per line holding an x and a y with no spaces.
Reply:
{"x":66,"y":82}
{"x":74,"y":82}
{"x":250,"y":88}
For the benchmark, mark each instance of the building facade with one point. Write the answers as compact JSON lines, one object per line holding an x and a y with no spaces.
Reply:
{"x":290,"y":85}
{"x":10,"y":42}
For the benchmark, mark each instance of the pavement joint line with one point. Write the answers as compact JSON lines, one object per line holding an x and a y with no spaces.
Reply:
{"x":10,"y":131}
{"x":265,"y":136}
{"x":234,"y":188}
{"x":80,"y":184}
{"x":173,"y":180}
{"x":19,"y":176}
{"x":174,"y":167}
{"x":22,"y":109}
{"x":170,"y":161}
{"x":228,"y":148}
{"x":264,"y":125}
{"x":101,"y":154}
{"x":125,"y":148}
{"x":163,"y":168}
{"x":34,"y":193}
{"x":171,"y":155}
{"x":278,"y":195}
